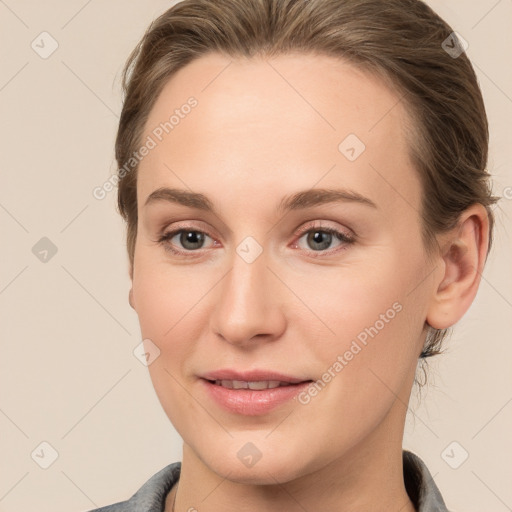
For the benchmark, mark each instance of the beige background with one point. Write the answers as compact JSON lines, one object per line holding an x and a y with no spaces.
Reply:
{"x":68,"y":373}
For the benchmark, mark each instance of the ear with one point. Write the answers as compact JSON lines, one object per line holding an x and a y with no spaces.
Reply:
{"x":462,"y":258}
{"x":130,"y":293}
{"x":130,"y":298}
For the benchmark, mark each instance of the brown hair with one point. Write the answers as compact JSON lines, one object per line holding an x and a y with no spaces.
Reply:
{"x":402,"y":41}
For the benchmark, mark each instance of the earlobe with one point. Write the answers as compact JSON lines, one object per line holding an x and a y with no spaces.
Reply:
{"x":463,"y":258}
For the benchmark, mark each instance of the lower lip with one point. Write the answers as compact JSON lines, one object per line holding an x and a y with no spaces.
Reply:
{"x":252,"y":402}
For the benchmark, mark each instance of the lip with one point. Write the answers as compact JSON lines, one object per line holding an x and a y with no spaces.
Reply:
{"x":250,"y":402}
{"x":251,"y":375}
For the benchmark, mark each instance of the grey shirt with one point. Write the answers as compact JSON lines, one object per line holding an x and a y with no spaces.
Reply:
{"x":151,"y":496}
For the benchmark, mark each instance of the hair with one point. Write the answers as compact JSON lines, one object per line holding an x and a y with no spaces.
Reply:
{"x":401,"y":41}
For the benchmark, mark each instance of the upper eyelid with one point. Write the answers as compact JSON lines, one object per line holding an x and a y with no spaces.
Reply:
{"x":308,"y":227}
{"x":304,"y":228}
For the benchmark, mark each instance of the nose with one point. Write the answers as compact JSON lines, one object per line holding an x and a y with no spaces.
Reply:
{"x":247,"y":304}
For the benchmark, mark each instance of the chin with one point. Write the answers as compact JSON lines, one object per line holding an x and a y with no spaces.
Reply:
{"x":242,"y":462}
{"x":260,"y":474}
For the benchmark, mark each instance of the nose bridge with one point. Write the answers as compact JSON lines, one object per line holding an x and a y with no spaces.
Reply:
{"x":247,"y":301}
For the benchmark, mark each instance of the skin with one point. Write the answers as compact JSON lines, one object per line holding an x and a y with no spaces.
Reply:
{"x":263,"y":130}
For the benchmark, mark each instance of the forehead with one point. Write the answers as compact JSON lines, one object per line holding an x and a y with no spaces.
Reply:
{"x":283,"y":123}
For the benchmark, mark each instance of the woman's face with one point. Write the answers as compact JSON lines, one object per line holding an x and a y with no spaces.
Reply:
{"x":258,"y":283}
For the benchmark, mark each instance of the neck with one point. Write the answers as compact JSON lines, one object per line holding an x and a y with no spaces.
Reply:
{"x":369,"y":476}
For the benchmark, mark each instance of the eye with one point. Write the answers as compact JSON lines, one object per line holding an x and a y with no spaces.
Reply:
{"x":189,"y":238}
{"x":319,"y":238}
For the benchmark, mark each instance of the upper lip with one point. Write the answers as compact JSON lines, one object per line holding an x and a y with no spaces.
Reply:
{"x":250,"y":376}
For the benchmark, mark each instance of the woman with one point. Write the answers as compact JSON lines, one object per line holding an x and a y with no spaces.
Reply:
{"x":308,"y":212}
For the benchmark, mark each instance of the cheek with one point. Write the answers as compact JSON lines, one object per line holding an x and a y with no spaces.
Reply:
{"x":372,"y":327}
{"x":168,"y":304}
{"x":353,"y":302}
{"x":368,"y":359}
{"x":165,"y":297}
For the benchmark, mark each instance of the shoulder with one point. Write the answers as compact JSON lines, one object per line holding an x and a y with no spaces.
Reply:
{"x":420,"y":485}
{"x":151,"y":496}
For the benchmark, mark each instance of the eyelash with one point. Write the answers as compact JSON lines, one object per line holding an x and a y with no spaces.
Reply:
{"x":165,"y":238}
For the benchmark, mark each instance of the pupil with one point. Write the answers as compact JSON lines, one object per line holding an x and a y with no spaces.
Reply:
{"x":317,"y":237}
{"x":191,"y":237}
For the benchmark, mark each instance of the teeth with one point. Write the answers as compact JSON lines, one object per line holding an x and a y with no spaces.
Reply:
{"x":237,"y":384}
{"x":256,"y":385}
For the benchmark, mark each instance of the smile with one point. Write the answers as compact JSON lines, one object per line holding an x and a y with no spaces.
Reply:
{"x":255,"y":385}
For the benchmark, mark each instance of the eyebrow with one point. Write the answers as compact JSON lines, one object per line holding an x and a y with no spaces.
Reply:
{"x":297,"y":201}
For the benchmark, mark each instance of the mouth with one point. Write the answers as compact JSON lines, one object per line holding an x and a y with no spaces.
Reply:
{"x":242,"y":379}
{"x":251,"y":393}
{"x":255,"y":385}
